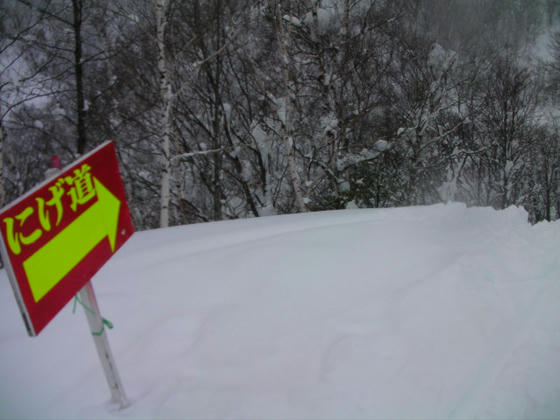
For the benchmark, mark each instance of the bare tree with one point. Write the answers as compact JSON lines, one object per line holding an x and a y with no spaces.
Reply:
{"x":283,"y":28}
{"x":507,"y":110}
{"x":166,"y":95}
{"x":18,"y":80}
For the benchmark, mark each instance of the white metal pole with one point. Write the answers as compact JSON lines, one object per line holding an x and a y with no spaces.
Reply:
{"x":95,"y":321}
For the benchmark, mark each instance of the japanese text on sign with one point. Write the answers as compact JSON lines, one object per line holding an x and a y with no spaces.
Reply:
{"x":78,"y":187}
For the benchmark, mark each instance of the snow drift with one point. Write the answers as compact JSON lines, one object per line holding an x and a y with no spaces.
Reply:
{"x":422,"y":312}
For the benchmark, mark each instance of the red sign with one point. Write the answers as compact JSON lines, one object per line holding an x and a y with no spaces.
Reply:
{"x":57,"y":236}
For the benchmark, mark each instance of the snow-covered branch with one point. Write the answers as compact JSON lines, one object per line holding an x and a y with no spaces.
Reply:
{"x":197,"y":153}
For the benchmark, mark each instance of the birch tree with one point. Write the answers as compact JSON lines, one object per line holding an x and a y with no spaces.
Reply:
{"x":283,"y":31}
{"x":166,"y":103}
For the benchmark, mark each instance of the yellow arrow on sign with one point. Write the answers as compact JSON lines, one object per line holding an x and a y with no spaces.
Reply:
{"x":50,"y":264}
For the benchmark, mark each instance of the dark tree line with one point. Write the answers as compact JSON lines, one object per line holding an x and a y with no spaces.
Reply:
{"x":225,"y":109}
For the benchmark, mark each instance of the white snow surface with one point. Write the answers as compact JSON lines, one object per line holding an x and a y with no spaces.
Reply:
{"x":421,"y":312}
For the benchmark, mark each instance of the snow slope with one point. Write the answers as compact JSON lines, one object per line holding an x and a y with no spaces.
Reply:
{"x":422,"y":312}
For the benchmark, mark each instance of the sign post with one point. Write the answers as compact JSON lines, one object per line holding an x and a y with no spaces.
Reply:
{"x":95,"y":321}
{"x":57,"y":236}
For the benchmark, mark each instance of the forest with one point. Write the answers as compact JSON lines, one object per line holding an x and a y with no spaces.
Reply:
{"x":224,"y":109}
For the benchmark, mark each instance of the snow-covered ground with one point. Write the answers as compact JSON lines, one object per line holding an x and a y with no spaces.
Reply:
{"x":422,"y":312}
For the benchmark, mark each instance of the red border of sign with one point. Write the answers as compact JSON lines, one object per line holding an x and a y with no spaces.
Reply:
{"x":37,"y":315}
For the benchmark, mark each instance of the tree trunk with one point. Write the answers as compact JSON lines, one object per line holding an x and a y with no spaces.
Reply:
{"x":2,"y":137}
{"x":217,"y":158}
{"x":78,"y":71}
{"x":161,"y":7}
{"x":287,"y":135}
